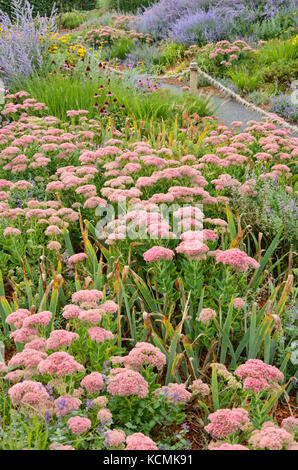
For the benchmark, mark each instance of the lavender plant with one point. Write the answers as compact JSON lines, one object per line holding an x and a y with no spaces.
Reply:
{"x":283,"y":106}
{"x":202,"y":27}
{"x":23,"y":41}
{"x":209,"y":20}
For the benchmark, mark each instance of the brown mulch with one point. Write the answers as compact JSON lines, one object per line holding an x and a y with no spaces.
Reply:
{"x":285,"y":410}
{"x":9,"y":352}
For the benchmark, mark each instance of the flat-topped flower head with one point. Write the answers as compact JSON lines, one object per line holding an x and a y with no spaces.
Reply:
{"x":225,"y":421}
{"x":38,"y":319}
{"x":78,"y":425}
{"x":238,"y":259}
{"x":87,"y":295}
{"x":60,"y":338}
{"x":60,"y":364}
{"x":139,"y":441}
{"x":158,"y":252}
{"x":127,"y":382}
{"x":93,"y":382}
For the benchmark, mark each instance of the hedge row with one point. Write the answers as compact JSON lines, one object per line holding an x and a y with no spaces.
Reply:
{"x":44,"y":7}
{"x":128,"y":5}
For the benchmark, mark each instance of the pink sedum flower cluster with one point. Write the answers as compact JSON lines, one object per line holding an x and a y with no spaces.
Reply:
{"x":139,"y":441}
{"x":225,"y":422}
{"x":127,"y":382}
{"x":258,"y":375}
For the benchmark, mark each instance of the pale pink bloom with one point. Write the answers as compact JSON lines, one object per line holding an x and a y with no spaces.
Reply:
{"x":206,"y":315}
{"x":114,"y":438}
{"x":71,"y":311}
{"x":87,"y":295}
{"x":17,"y":318}
{"x":77,"y":258}
{"x":139,"y":441}
{"x":57,"y":446}
{"x":127,"y":382}
{"x":227,"y":446}
{"x":225,"y":421}
{"x":93,"y":382}
{"x":258,"y":375}
{"x":65,"y":404}
{"x":238,"y":302}
{"x":38,"y":343}
{"x":60,"y":364}
{"x":28,"y":358}
{"x":54,"y":246}
{"x":290,"y":424}
{"x":29,"y":393}
{"x":271,"y":437}
{"x":104,"y":415}
{"x":198,"y":387}
{"x":41,"y":318}
{"x":237,"y":258}
{"x":23,"y":335}
{"x":100,"y":334}
{"x":143,"y":354}
{"x":78,"y":425}
{"x":109,"y":306}
{"x":158,"y":252}
{"x":11,"y":231}
{"x":53,"y":230}
{"x":60,"y":338}
{"x":93,"y":316}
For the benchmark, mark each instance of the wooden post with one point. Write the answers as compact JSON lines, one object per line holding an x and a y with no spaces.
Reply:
{"x":193,"y":78}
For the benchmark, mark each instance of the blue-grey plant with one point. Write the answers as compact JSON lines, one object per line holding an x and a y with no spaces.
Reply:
{"x":202,"y":26}
{"x":284,"y":106}
{"x":161,"y":16}
{"x":181,"y":18}
{"x":24,"y":40}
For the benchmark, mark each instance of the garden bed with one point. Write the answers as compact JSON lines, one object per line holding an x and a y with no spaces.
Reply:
{"x":147,"y":270}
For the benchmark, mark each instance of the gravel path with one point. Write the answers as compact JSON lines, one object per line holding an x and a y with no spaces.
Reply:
{"x":226,"y":109}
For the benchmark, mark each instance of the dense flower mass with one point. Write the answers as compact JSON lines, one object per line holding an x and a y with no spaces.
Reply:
{"x":139,"y":441}
{"x":237,"y":258}
{"x":271,"y":437}
{"x":78,"y":425}
{"x":224,"y":422}
{"x":142,"y":240}
{"x":158,"y":252}
{"x":127,"y":382}
{"x":258,"y":376}
{"x":142,"y":354}
{"x":93,"y":382}
{"x":60,"y":364}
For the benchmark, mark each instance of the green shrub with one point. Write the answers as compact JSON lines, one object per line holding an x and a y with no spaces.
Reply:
{"x":274,"y":26}
{"x":71,"y":20}
{"x":281,"y":73}
{"x":277,"y":51}
{"x":127,"y":5}
{"x":245,"y":80}
{"x":259,"y":97}
{"x":44,"y":7}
